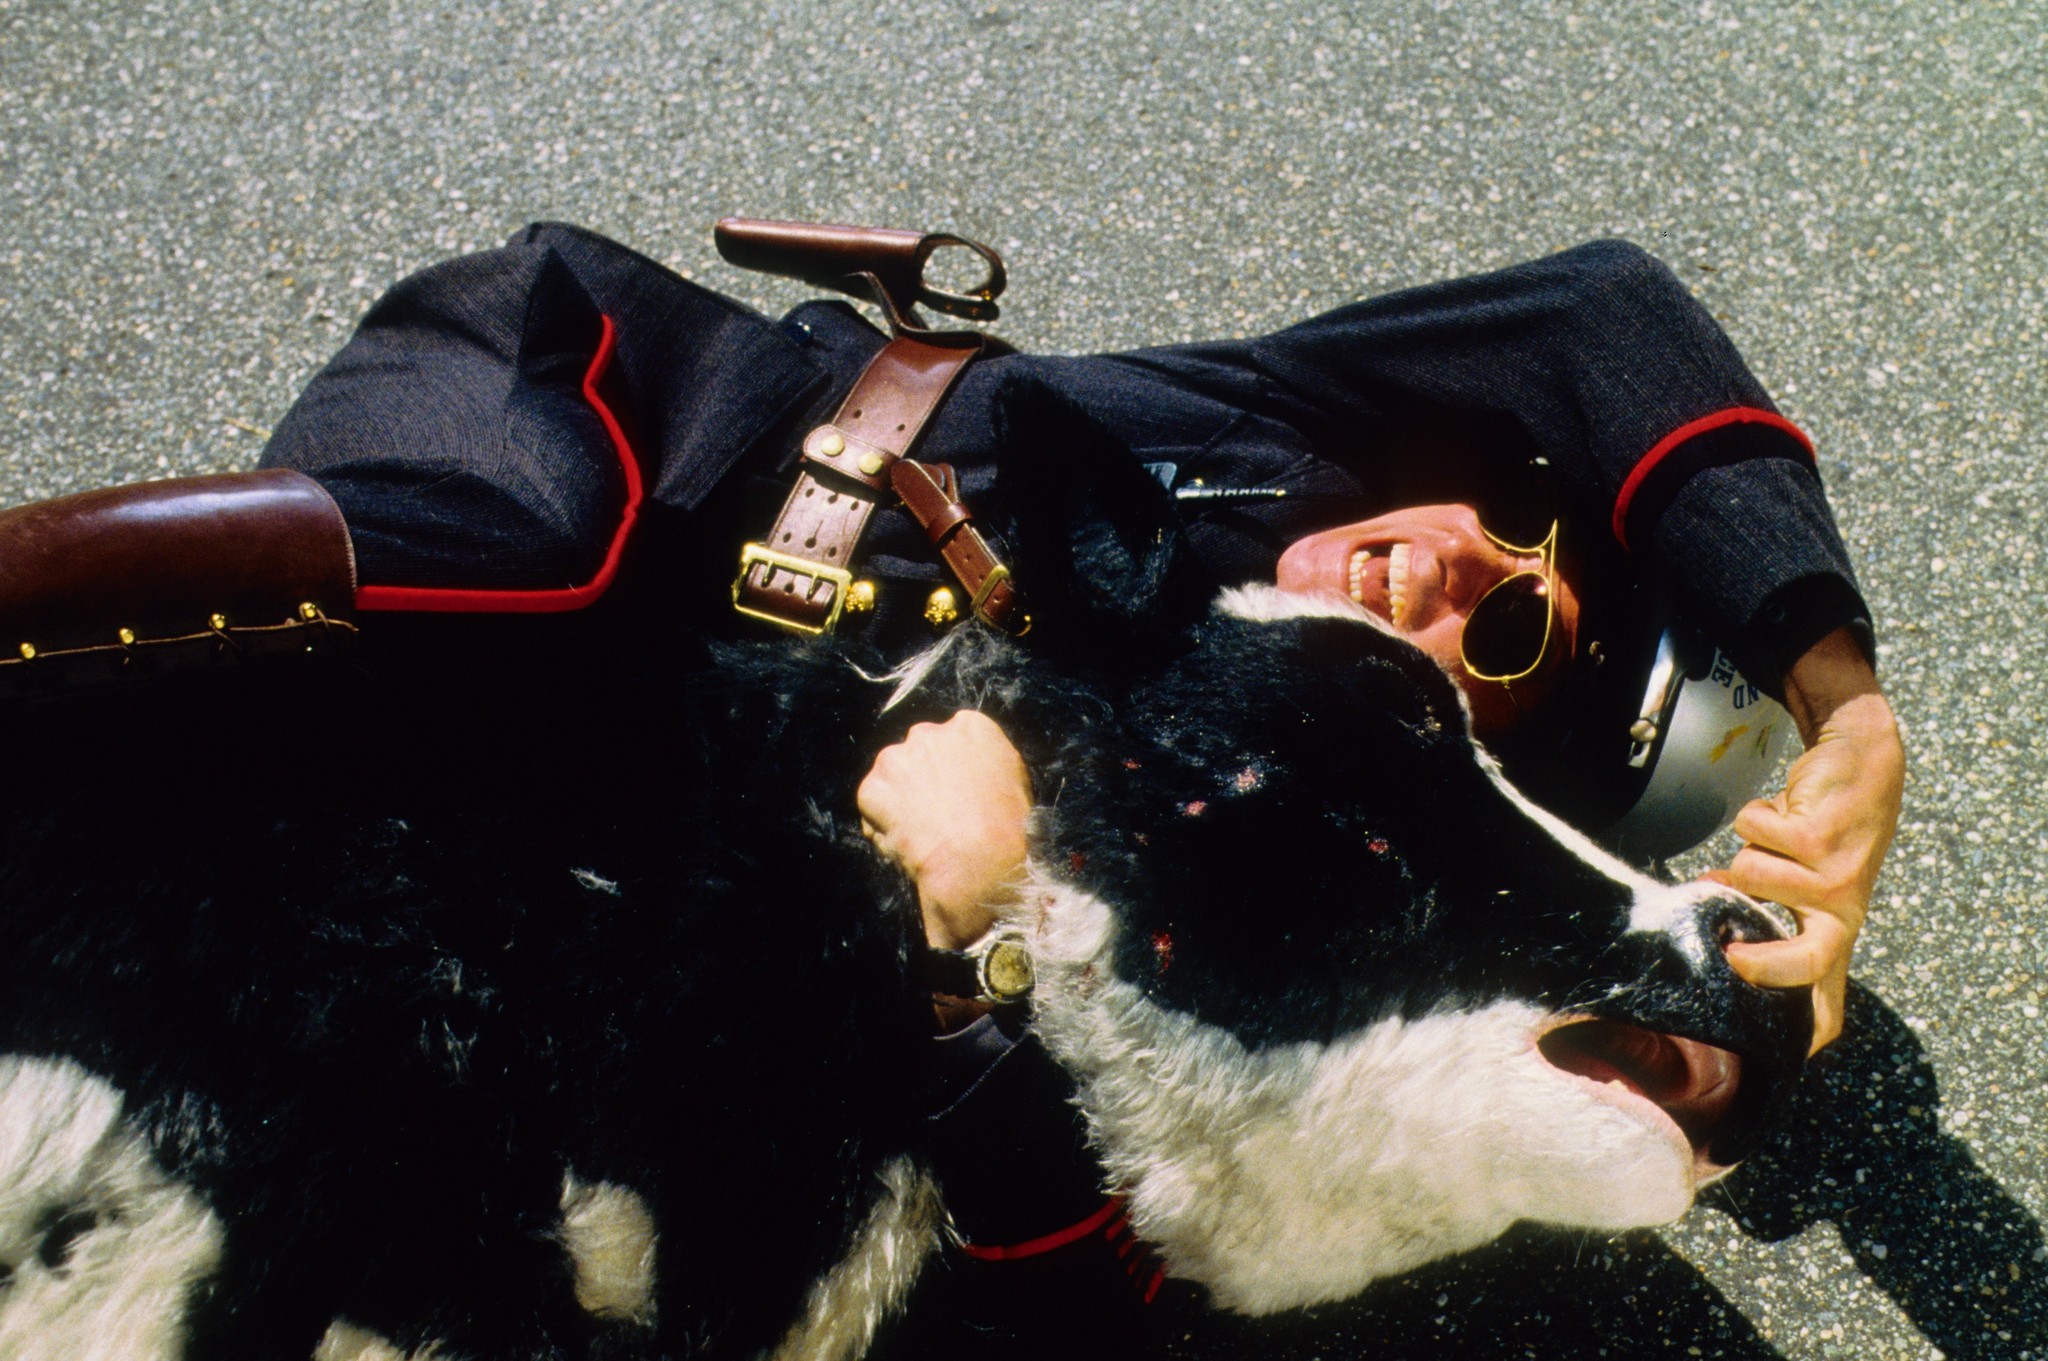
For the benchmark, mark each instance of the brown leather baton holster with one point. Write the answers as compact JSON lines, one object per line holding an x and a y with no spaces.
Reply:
{"x":801,"y":576}
{"x":111,"y":585}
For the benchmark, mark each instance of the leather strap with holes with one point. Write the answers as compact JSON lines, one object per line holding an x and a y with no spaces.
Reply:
{"x":800,"y":574}
{"x":931,"y":494}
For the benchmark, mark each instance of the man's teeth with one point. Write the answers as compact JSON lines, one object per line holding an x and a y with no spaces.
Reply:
{"x":1397,"y":579}
{"x":1397,"y":582}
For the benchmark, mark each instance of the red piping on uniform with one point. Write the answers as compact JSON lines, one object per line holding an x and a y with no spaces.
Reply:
{"x":1152,"y":1288}
{"x":452,"y":600}
{"x":1734,"y":415}
{"x":1059,"y":1238}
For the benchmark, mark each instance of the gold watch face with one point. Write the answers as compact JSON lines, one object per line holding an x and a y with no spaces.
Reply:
{"x":1006,"y":970}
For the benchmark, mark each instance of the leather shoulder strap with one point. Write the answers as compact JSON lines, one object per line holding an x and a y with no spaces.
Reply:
{"x":800,"y":576}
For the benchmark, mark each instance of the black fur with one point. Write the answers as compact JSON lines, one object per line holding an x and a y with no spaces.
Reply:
{"x":325,"y":935}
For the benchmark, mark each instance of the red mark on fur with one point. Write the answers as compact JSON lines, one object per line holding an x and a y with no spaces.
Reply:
{"x":1077,"y":862}
{"x":1194,"y":808}
{"x":1142,"y":838}
{"x":1162,"y":946}
{"x":1132,"y":763}
{"x":1378,"y":845}
{"x":1248,"y":779}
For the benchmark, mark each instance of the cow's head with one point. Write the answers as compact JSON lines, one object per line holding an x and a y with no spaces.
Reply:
{"x":1340,"y":1001}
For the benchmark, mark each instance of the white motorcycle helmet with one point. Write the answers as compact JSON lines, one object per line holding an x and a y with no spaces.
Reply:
{"x":1655,"y":740}
{"x":1704,"y":740}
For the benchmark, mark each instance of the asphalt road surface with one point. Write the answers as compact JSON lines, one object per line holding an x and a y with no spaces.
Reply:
{"x":198,"y":200}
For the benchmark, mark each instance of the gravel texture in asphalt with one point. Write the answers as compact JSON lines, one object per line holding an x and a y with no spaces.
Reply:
{"x":197,"y":201}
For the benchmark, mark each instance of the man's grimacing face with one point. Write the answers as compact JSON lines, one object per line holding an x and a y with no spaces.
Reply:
{"x":1423,"y":569}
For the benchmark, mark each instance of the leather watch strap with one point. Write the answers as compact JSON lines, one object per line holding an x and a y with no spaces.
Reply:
{"x":800,"y":576}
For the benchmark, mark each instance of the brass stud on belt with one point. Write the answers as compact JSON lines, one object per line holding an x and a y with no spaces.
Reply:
{"x":219,"y":624}
{"x":832,"y":446}
{"x":860,"y":597}
{"x":871,"y":464}
{"x":941,"y":608}
{"x":309,"y":612}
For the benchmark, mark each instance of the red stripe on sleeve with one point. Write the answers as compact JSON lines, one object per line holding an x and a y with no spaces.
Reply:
{"x":1059,"y":1238}
{"x":1734,"y":415}
{"x":450,"y":600}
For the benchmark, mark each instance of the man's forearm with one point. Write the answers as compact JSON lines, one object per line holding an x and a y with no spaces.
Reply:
{"x":1834,"y":676}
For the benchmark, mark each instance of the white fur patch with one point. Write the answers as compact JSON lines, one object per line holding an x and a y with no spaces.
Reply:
{"x":111,"y":1283}
{"x":1299,"y":1173}
{"x":850,"y":1303}
{"x":608,"y":1232}
{"x":344,"y":1341}
{"x":1261,"y":603}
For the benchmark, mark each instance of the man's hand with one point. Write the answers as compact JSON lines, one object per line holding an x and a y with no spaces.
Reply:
{"x":1817,"y":847}
{"x":949,"y":803}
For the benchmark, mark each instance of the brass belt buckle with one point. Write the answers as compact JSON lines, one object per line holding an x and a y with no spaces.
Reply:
{"x":996,"y":577}
{"x":754,"y":554}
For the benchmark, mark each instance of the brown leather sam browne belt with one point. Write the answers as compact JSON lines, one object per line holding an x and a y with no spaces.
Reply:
{"x":801,"y":575}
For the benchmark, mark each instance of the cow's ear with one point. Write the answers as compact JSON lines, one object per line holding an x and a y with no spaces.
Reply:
{"x":1097,"y":542}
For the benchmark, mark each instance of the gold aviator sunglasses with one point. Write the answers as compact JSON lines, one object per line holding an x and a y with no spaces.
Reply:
{"x":1508,"y":631}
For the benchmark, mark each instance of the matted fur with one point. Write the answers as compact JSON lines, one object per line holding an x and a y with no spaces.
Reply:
{"x":102,"y":1247}
{"x":610,"y":1237}
{"x":853,"y":1300}
{"x":344,"y":1341}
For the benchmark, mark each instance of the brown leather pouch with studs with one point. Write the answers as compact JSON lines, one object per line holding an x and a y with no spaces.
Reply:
{"x":108,"y":586}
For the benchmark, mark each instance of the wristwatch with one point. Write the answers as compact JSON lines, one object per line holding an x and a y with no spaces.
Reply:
{"x":996,"y":969}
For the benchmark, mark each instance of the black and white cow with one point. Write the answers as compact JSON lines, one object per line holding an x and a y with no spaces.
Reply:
{"x":534,"y":994}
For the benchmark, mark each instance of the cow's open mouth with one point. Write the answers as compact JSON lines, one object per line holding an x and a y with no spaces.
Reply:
{"x":1696,"y":1085}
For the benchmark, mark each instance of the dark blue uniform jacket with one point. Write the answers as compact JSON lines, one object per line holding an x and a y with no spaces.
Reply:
{"x":456,"y":432}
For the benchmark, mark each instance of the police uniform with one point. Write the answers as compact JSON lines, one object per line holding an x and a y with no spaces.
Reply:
{"x":455,"y":432}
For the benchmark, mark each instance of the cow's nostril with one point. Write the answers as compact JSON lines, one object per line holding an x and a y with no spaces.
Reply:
{"x":1729,"y":920}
